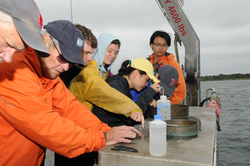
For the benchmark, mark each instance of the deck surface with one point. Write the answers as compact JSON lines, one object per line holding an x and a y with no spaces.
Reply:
{"x":180,"y":152}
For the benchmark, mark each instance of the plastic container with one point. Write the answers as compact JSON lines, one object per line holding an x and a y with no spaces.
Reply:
{"x":157,"y":137}
{"x":164,"y":111}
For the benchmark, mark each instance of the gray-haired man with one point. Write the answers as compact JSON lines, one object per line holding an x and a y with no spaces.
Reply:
{"x":20,"y":24}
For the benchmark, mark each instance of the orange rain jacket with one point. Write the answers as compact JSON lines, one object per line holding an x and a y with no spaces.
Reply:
{"x":168,"y":59}
{"x":38,"y":113}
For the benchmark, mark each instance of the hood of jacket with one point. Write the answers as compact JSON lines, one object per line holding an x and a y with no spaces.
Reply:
{"x":103,"y":42}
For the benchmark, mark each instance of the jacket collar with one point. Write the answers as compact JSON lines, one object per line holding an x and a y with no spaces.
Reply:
{"x":33,"y":59}
{"x":165,"y":58}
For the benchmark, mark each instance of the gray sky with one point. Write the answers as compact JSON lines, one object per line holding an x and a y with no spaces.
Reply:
{"x":223,"y":27}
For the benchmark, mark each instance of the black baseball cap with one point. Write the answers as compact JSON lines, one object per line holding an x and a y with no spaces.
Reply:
{"x":70,"y":39}
{"x":28,"y":21}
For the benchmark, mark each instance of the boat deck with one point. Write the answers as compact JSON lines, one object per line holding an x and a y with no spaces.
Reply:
{"x":197,"y":151}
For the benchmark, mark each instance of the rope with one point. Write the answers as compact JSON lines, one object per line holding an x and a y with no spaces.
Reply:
{"x":216,"y":98}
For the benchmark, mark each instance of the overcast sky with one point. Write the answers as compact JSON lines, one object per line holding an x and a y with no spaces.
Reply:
{"x":223,"y":27}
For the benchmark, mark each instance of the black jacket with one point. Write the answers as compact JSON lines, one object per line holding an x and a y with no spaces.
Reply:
{"x":68,"y":76}
{"x":121,"y":84}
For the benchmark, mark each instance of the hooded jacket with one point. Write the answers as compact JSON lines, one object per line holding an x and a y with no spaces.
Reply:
{"x":38,"y":113}
{"x":89,"y":88}
{"x":168,"y":59}
{"x":104,"y":41}
{"x":116,"y":118}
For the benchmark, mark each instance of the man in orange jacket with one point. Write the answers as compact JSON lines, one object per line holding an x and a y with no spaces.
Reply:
{"x":159,"y":42}
{"x":37,"y":111}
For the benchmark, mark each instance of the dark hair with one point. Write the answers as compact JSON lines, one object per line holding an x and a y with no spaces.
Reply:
{"x":162,"y":34}
{"x":126,"y":69}
{"x":116,"y":41}
{"x":88,"y":36}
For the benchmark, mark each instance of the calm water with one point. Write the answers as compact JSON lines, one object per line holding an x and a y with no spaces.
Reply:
{"x":234,"y":139}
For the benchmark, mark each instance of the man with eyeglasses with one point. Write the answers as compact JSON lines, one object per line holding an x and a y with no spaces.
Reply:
{"x":37,"y":111}
{"x":160,"y":41}
{"x":20,"y":25}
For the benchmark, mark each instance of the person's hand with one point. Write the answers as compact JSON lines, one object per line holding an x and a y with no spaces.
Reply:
{"x":120,"y":134}
{"x":156,"y":86}
{"x":138,"y":117}
{"x":153,"y":103}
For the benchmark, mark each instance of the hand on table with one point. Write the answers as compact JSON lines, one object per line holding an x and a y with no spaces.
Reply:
{"x":121,"y":134}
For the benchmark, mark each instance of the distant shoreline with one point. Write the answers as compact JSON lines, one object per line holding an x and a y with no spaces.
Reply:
{"x":222,"y":77}
{"x":227,"y":79}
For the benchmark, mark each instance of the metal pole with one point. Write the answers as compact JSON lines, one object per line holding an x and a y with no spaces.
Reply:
{"x":71,"y":11}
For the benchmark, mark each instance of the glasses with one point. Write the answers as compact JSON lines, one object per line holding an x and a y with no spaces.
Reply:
{"x":60,"y":57}
{"x":159,"y":45}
